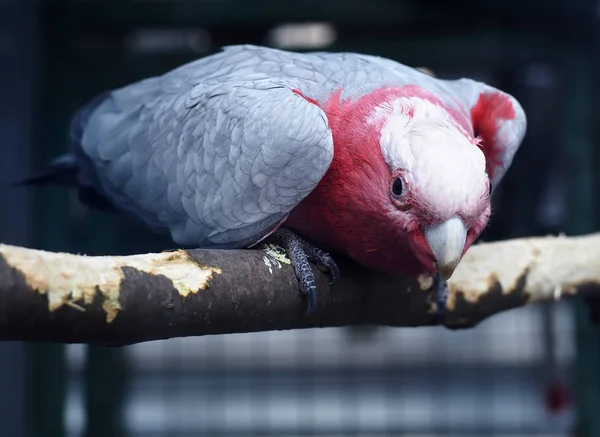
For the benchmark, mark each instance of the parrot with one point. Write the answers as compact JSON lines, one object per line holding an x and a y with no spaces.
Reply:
{"x":318,"y":152}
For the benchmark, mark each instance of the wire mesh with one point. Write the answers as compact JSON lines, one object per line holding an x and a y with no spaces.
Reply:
{"x":489,"y":381}
{"x":492,"y":380}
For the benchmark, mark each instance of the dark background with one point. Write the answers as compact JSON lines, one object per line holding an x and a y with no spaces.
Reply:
{"x":529,"y":372}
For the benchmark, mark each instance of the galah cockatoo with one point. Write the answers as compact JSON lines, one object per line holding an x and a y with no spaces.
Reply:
{"x":336,"y":152}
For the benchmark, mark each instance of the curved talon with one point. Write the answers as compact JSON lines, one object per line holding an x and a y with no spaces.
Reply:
{"x":440,"y":288}
{"x":326,"y":264}
{"x":334,"y":271}
{"x":312,"y":300}
{"x":323,"y":260}
{"x":300,"y":252}
{"x":306,"y":283}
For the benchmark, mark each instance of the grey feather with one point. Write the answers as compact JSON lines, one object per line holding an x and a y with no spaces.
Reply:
{"x":218,"y":151}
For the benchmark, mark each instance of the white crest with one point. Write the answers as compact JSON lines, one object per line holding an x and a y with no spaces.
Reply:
{"x":438,"y":158}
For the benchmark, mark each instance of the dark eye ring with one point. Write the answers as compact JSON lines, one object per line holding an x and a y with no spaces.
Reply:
{"x":397,"y":187}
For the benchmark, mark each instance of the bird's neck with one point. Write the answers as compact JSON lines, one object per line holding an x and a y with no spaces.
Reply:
{"x":349,"y":210}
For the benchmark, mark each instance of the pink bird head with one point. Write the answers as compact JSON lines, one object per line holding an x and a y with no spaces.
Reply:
{"x":407,"y":191}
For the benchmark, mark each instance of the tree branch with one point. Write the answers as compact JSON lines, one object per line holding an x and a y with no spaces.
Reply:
{"x":116,"y":300}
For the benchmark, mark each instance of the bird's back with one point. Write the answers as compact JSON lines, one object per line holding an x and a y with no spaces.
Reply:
{"x":198,"y":151}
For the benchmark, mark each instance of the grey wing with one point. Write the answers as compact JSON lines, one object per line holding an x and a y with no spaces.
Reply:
{"x":215,"y":165}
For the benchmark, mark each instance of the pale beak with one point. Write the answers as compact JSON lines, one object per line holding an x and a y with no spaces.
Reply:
{"x":447,"y":242}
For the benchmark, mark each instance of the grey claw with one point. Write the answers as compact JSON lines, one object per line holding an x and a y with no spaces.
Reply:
{"x":300,"y":252}
{"x":440,"y":288}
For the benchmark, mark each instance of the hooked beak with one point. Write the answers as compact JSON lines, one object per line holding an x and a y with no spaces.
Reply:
{"x":447,"y":242}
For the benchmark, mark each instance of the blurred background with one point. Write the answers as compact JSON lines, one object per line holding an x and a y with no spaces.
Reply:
{"x":529,"y":372}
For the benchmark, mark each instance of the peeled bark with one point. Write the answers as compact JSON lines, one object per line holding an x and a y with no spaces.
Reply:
{"x":118,"y":300}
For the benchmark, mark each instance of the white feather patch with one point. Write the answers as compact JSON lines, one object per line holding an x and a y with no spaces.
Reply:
{"x":438,"y":157}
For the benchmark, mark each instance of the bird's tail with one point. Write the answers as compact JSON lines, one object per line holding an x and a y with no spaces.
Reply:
{"x":62,"y":171}
{"x":65,"y":171}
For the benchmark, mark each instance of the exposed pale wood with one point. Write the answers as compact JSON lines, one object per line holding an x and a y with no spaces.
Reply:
{"x":129,"y":299}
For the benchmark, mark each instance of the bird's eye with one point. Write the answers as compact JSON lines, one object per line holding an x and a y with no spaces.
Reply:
{"x":397,"y":187}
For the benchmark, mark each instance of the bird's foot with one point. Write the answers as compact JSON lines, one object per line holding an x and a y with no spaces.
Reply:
{"x":300,"y":252}
{"x":440,"y":289}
